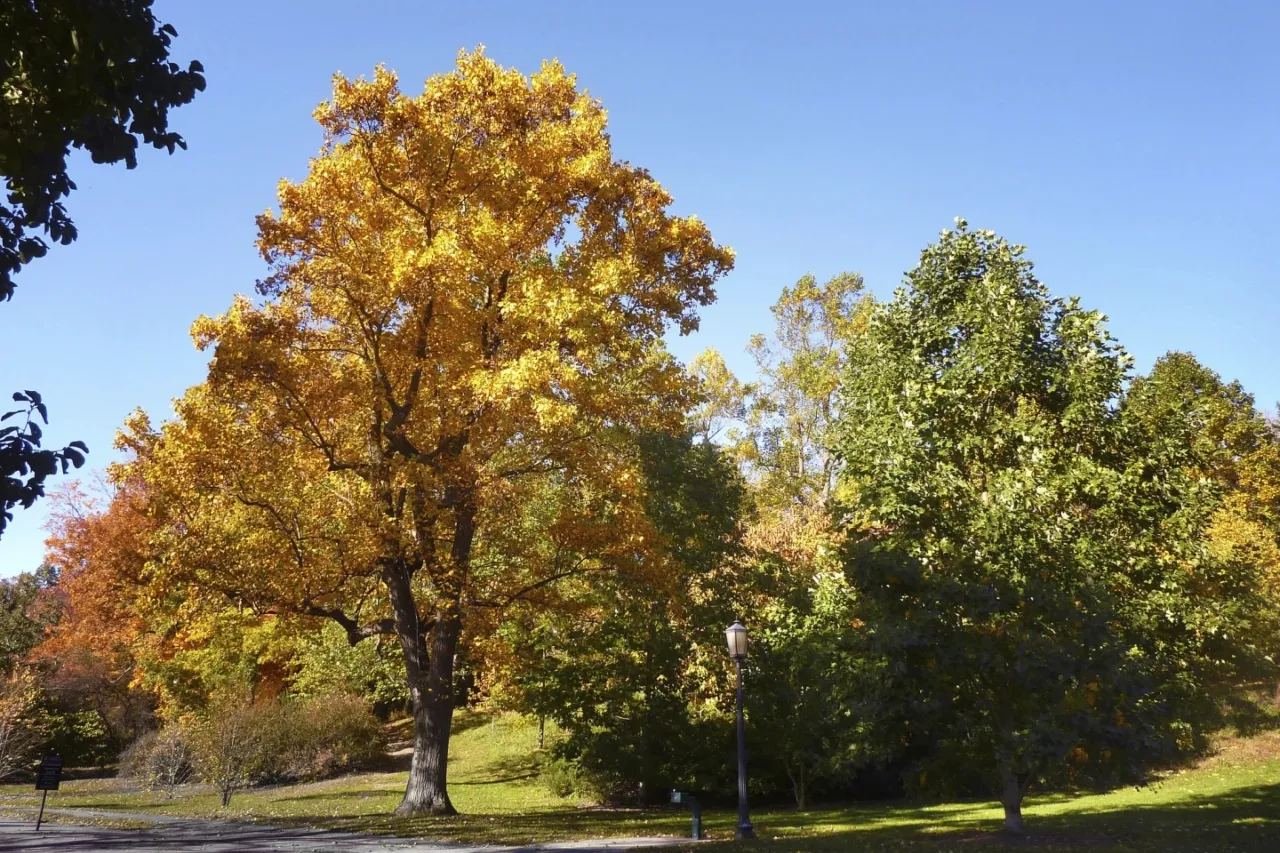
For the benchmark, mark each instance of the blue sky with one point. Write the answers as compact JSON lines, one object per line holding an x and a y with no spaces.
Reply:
{"x":1131,"y":146}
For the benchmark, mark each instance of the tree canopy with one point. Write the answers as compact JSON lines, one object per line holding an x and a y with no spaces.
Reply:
{"x":1023,"y":562}
{"x":468,"y":298}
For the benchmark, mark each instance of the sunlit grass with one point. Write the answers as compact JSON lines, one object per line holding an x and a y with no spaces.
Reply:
{"x":1229,"y":803}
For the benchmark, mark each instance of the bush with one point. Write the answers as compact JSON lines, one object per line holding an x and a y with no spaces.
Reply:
{"x":159,"y":761}
{"x":564,"y":777}
{"x":81,"y":738}
{"x":235,"y":743}
{"x":133,"y":759}
{"x":306,"y":740}
{"x":21,"y":730}
{"x":227,"y":743}
{"x":561,"y":777}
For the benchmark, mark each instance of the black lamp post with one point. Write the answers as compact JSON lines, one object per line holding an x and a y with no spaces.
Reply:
{"x":736,"y":635}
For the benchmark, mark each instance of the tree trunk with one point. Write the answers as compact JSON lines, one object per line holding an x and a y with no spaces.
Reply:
{"x":427,"y":792}
{"x":542,"y":732}
{"x":430,"y":680}
{"x":798,"y":786}
{"x":1014,"y":788}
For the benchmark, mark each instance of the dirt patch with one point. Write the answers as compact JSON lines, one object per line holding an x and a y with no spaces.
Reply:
{"x":1243,"y":750}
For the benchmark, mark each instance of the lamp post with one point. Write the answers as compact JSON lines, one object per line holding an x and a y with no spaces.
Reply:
{"x":736,"y":635}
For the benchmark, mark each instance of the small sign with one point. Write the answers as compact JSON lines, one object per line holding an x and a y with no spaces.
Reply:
{"x":49,"y":773}
{"x":681,"y":798}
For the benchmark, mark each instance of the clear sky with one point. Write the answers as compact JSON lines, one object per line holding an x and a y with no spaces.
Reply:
{"x":1131,"y":146}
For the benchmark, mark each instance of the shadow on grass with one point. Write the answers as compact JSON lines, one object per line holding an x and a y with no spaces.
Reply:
{"x":1241,"y":821}
{"x":1245,"y":819}
{"x":510,"y":768}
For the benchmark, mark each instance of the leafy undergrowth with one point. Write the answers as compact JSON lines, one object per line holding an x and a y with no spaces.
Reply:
{"x":1230,"y":802}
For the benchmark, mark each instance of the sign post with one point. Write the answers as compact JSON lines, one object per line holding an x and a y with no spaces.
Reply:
{"x":680,"y":798}
{"x":48,"y":775}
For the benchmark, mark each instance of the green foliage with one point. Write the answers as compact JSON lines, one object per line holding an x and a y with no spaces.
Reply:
{"x":327,"y":663}
{"x":91,"y":74}
{"x":565,"y":777}
{"x":807,"y":679}
{"x":24,"y":466}
{"x":1201,"y":559}
{"x":217,"y":650}
{"x":1016,"y":549}
{"x":1214,"y":428}
{"x":82,"y":738}
{"x":633,"y":675}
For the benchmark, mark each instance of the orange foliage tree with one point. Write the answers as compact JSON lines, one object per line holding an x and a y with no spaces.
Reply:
{"x":98,"y":546}
{"x":466,"y":313}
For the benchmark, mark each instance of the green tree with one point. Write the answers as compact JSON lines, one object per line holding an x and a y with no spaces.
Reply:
{"x":808,"y":676}
{"x":90,"y":74}
{"x":978,"y":442}
{"x":1201,"y":587}
{"x":803,"y":669}
{"x":1229,"y":441}
{"x":632,"y":674}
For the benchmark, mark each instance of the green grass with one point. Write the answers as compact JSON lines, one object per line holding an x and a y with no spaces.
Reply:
{"x":1230,"y":803}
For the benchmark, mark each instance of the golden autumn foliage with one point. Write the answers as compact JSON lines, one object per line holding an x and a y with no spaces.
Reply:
{"x":465,"y":316}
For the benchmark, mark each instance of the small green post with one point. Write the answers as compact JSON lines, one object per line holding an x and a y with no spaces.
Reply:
{"x":680,"y":798}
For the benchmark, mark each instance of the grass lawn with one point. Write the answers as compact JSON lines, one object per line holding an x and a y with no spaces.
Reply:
{"x":1229,"y":803}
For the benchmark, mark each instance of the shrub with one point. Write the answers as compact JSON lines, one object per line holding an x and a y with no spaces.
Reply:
{"x":320,"y":737}
{"x":21,"y":731}
{"x":160,"y":761}
{"x":82,"y":738}
{"x":132,"y":761}
{"x":345,"y":735}
{"x":235,"y":743}
{"x":561,"y":777}
{"x":565,"y":777}
{"x":227,"y":743}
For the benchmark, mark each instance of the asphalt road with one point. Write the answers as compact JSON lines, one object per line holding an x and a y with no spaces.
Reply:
{"x":178,"y":835}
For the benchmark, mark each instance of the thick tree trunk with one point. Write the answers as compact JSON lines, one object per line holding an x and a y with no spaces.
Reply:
{"x":427,"y":791}
{"x":430,"y":680}
{"x":1011,"y":797}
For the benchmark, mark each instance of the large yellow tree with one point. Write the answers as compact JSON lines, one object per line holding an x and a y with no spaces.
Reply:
{"x":468,"y":293}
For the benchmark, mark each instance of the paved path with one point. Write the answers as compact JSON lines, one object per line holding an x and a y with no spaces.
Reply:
{"x":169,"y":834}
